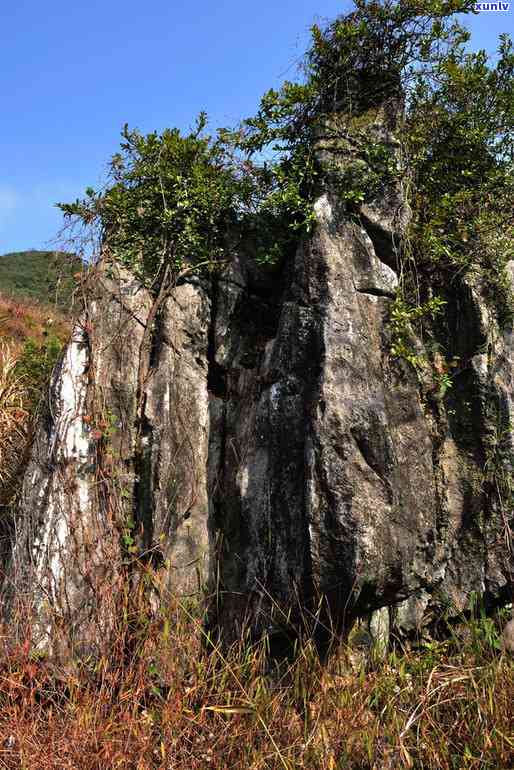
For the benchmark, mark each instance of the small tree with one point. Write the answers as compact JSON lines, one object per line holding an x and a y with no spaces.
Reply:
{"x":459,"y":137}
{"x":170,"y":204}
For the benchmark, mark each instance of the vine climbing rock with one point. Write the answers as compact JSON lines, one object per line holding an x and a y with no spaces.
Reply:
{"x":257,"y":438}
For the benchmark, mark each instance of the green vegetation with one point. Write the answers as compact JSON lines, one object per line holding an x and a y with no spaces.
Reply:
{"x":24,"y":378}
{"x":459,"y":138}
{"x":36,"y":363}
{"x":355,"y":64}
{"x":170,"y":205}
{"x":13,"y":417}
{"x":402,"y":319}
{"x":176,"y":203}
{"x":43,"y":276}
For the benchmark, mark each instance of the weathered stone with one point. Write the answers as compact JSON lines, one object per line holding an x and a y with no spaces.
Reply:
{"x":117,"y":475}
{"x":337,"y":476}
{"x":173,"y":492}
{"x":379,"y":628}
{"x":508,"y":637}
{"x":260,"y":432}
{"x":328,"y":486}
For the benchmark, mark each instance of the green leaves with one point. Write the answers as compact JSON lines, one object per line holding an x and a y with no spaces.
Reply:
{"x":402,"y":319}
{"x":179,"y":200}
{"x":171,"y":201}
{"x":36,"y":363}
{"x":459,"y":138}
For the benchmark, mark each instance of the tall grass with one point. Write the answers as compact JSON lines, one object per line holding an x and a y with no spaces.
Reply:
{"x":31,"y":336}
{"x":178,"y":704}
{"x":13,"y":414}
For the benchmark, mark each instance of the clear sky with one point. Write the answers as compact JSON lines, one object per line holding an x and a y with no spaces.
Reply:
{"x":72,"y":72}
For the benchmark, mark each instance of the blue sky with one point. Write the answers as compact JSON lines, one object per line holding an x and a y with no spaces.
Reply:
{"x":72,"y":72}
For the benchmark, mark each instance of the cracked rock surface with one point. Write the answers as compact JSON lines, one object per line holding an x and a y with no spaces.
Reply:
{"x":274,"y":451}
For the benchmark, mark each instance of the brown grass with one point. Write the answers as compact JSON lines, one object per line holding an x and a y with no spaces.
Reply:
{"x":445,"y":706}
{"x":20,"y":321}
{"x":13,"y":415}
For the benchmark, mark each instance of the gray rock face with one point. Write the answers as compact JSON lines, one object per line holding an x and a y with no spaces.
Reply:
{"x":398,"y":496}
{"x":340,"y":472}
{"x":259,"y":435}
{"x":508,"y":637}
{"x":326,"y":484}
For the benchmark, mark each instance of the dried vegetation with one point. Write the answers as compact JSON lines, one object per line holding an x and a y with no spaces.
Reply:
{"x":30,"y":337}
{"x":173,"y":704}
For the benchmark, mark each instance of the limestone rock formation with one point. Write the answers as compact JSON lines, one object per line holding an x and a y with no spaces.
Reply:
{"x":339,"y":473}
{"x":258,"y":437}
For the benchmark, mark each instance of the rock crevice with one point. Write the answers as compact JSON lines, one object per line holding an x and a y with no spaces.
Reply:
{"x":273,"y":454}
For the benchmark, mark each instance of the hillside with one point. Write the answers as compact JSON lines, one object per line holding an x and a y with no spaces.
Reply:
{"x":22,"y":320}
{"x":45,"y":276}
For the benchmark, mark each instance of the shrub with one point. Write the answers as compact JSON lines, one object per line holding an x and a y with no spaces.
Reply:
{"x":35,"y":365}
{"x":171,"y":203}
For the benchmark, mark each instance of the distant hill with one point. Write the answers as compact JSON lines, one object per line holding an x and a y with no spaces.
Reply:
{"x":44,"y":276}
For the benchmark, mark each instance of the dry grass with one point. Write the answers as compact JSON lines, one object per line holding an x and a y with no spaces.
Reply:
{"x":445,"y":706}
{"x":13,"y":415}
{"x":20,"y":321}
